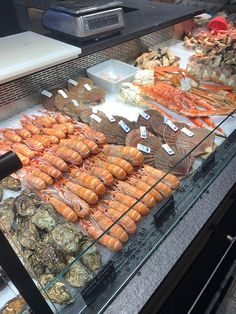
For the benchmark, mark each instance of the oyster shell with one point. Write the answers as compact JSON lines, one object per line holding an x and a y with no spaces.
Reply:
{"x":50,"y":209}
{"x":37,"y":201}
{"x":11,"y":183}
{"x":43,"y":219}
{"x":27,"y":234}
{"x":36,"y":267}
{"x":67,"y":237}
{"x":7,"y":215}
{"x":92,"y":257}
{"x":77,"y":275}
{"x":50,"y":256}
{"x":24,"y":206}
{"x":57,"y":292}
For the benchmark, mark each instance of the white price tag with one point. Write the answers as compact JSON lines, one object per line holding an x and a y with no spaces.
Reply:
{"x":95,"y":117}
{"x":144,"y":115}
{"x":94,"y":110}
{"x":144,"y":148}
{"x":46,"y":93}
{"x":170,"y":124}
{"x":111,"y":118}
{"x":72,"y":82}
{"x":62,"y":93}
{"x":87,"y":87}
{"x":187,"y":132}
{"x":167,"y":149}
{"x":124,"y":126}
{"x":75,"y":102}
{"x":143,"y":132}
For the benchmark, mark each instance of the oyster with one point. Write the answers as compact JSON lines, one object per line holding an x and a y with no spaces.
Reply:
{"x":7,"y":215}
{"x":50,"y":209}
{"x":50,"y":256}
{"x":43,"y":220}
{"x":77,"y":275}
{"x":92,"y":257}
{"x":67,"y":237}
{"x":37,"y":201}
{"x":57,"y":292}
{"x":24,"y":206}
{"x":27,"y":234}
{"x":1,"y":194}
{"x":36,"y":267}
{"x":11,"y":183}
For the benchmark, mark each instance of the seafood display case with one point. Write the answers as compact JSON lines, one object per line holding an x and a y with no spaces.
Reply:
{"x":107,"y":176}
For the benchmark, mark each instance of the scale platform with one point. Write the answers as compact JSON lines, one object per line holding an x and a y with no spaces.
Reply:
{"x":85,"y":19}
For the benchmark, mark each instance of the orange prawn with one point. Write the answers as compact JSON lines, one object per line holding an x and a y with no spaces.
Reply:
{"x":30,"y":127}
{"x":58,"y":133}
{"x":91,"y":134}
{"x":48,"y":169}
{"x":34,"y":181}
{"x":23,"y":149}
{"x":131,"y":154}
{"x":86,"y":194}
{"x":119,"y":162}
{"x":161,"y":187}
{"x":96,"y":232}
{"x":145,"y":187}
{"x":76,"y":145}
{"x":55,"y":161}
{"x":104,"y":175}
{"x":116,"y":171}
{"x":34,"y":144}
{"x":24,"y":133}
{"x":81,"y":207}
{"x":67,"y":154}
{"x":11,"y":135}
{"x":44,"y":176}
{"x":42,"y":138}
{"x":61,"y":127}
{"x":24,"y":160}
{"x":132,"y":213}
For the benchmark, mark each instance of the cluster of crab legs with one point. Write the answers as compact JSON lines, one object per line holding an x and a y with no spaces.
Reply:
{"x":197,"y":103}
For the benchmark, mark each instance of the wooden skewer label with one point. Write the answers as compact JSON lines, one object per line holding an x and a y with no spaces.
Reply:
{"x":167,"y":149}
{"x":124,"y":126}
{"x":95,"y":117}
{"x":187,"y":132}
{"x":111,"y":118}
{"x":144,"y":148}
{"x":170,"y":124}
{"x":88,"y":87}
{"x":46,"y":93}
{"x":144,"y":115}
{"x":62,"y":93}
{"x":72,"y":82}
{"x":75,"y":102}
{"x":143,"y":132}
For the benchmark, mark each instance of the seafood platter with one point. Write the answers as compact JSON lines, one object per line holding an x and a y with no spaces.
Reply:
{"x":96,"y":164}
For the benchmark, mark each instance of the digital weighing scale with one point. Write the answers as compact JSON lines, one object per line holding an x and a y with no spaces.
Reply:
{"x":85,"y":19}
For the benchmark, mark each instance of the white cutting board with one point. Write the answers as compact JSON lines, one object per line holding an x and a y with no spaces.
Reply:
{"x":25,"y":53}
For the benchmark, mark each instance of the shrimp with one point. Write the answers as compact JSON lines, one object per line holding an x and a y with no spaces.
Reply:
{"x":61,"y":127}
{"x":24,"y":160}
{"x":42,"y":138}
{"x":55,"y":161}
{"x":116,"y":171}
{"x":23,"y":149}
{"x":81,"y":207}
{"x":30,"y":127}
{"x":58,"y":133}
{"x":70,"y":127}
{"x":145,"y":187}
{"x":104,"y":175}
{"x":161,"y":187}
{"x":11,"y":135}
{"x":67,"y":154}
{"x":132,"y":213}
{"x":40,"y":174}
{"x":60,"y":207}
{"x":76,"y":145}
{"x":48,"y":169}
{"x":34,"y":144}
{"x":23,"y":133}
{"x":130,"y":201}
{"x":87,"y":181}
{"x":104,"y":222}
{"x":95,"y":232}
{"x":86,"y":194}
{"x":91,"y":134}
{"x":93,"y":147}
{"x":42,"y":121}
{"x":132,"y":191}
{"x":171,"y":180}
{"x":131,"y":154}
{"x":119,"y":162}
{"x":34,"y":181}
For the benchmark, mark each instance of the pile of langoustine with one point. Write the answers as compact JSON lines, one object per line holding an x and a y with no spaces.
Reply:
{"x":183,"y":94}
{"x":87,"y":181}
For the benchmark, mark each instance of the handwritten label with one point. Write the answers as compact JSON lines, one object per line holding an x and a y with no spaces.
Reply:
{"x":46,"y":93}
{"x":62,"y":93}
{"x":143,"y":132}
{"x":99,"y":283}
{"x":95,"y":117}
{"x":166,"y":210}
{"x":208,"y":164}
{"x":144,"y":148}
{"x":170,"y":124}
{"x":167,"y":148}
{"x":124,"y":126}
{"x":144,"y":115}
{"x":87,"y":87}
{"x":187,"y":132}
{"x":75,"y":102}
{"x":111,"y":118}
{"x":72,"y":82}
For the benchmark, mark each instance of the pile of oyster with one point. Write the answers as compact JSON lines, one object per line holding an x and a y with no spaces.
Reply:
{"x":50,"y":245}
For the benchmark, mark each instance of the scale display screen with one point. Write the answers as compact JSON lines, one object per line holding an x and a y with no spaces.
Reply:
{"x":101,"y":22}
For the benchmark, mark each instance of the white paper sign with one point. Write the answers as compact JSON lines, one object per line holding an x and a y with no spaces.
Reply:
{"x":144,"y":115}
{"x":144,"y":148}
{"x":170,"y":124}
{"x":46,"y":93}
{"x":124,"y":126}
{"x":87,"y":87}
{"x":62,"y":93}
{"x":167,"y":149}
{"x":72,"y":82}
{"x":75,"y":102}
{"x":110,"y":118}
{"x":143,"y":132}
{"x":187,"y":132}
{"x":95,"y":117}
